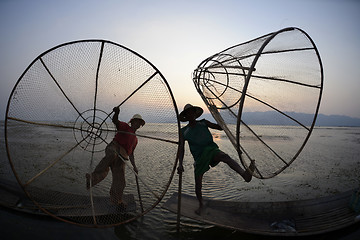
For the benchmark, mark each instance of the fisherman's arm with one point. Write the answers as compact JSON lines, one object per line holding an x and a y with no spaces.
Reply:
{"x":115,"y":118}
{"x":180,"y":154}
{"x":213,"y":125}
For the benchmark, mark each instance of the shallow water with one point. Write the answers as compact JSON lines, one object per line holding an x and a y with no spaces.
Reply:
{"x":328,"y":164}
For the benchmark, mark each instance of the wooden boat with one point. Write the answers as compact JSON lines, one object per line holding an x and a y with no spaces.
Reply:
{"x":61,"y":204}
{"x":288,"y":218}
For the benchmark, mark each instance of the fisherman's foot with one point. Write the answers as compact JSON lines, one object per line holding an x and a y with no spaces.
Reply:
{"x":118,"y":202}
{"x":249,"y":172}
{"x":199,"y":210}
{"x":120,"y":205}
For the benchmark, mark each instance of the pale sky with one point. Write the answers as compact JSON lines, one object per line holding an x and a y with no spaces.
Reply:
{"x":177,"y":35}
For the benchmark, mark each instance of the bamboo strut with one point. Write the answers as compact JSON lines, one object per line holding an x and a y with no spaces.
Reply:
{"x":51,"y":165}
{"x":91,"y":193}
{"x":92,"y":204}
{"x":62,"y":91}
{"x":44,"y":124}
{"x":248,"y":127}
{"x":236,"y":59}
{"x":234,"y":67}
{"x":257,"y":99}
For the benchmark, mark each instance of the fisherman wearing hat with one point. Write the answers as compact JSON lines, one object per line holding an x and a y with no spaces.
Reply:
{"x":204,"y":150}
{"x":123,"y":144}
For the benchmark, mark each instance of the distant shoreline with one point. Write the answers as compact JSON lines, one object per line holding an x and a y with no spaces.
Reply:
{"x":269,"y":118}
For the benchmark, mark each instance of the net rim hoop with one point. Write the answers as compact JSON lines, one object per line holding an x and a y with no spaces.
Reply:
{"x":241,"y":105}
{"x":156,"y":71}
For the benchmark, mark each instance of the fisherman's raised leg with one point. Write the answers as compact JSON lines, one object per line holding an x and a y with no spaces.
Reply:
{"x":247,"y":175}
{"x":102,"y":169}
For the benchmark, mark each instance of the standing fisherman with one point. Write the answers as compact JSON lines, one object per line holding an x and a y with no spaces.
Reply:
{"x":124,"y":143}
{"x":204,"y":150}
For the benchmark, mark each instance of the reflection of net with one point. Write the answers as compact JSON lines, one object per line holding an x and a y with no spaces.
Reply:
{"x":265,"y":93}
{"x":58,"y":124}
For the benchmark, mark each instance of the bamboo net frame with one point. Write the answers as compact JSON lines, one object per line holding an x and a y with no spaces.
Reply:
{"x":278,"y":75}
{"x":58,"y":124}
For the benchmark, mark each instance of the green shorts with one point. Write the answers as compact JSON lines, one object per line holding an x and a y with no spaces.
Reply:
{"x":202,"y":164}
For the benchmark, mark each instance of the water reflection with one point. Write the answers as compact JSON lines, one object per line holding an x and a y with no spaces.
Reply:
{"x":335,"y":151}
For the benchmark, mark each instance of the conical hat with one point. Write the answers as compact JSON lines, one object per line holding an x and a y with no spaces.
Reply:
{"x":138,"y":116}
{"x":187,"y":108}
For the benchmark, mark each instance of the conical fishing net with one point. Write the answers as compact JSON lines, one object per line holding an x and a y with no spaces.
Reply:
{"x":265,"y":93}
{"x":59,"y":122}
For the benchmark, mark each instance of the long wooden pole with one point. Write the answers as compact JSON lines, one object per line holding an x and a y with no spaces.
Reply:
{"x":137,"y":175}
{"x":180,"y":159}
{"x":179,"y":203}
{"x":138,"y":188}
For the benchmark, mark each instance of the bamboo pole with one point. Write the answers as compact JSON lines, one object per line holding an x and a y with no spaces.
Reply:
{"x":180,"y":158}
{"x":179,"y":203}
{"x":137,"y":175}
{"x":138,"y":189}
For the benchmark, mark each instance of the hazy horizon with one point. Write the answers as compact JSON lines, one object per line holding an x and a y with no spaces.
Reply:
{"x":177,"y":36}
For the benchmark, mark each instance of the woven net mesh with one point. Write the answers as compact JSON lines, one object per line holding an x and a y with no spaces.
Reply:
{"x":58,"y":124}
{"x":265,"y":93}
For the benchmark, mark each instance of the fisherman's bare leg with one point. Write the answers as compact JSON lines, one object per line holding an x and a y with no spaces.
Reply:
{"x":102,"y":169}
{"x":118,"y":183}
{"x":100,"y":172}
{"x":198,"y":187}
{"x":247,"y":175}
